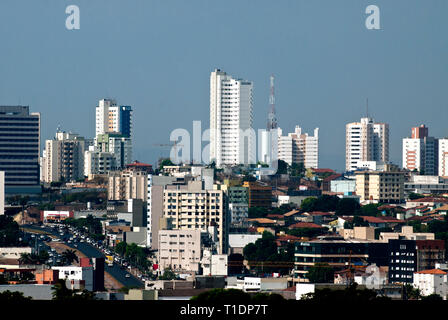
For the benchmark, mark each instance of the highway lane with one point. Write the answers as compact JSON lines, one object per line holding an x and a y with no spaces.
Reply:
{"x":90,"y":251}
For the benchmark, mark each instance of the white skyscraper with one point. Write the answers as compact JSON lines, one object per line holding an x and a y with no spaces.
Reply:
{"x":366,"y":141}
{"x":299,"y":148}
{"x":232,"y":139}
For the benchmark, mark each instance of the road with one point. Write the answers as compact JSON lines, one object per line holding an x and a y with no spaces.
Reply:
{"x":90,"y":251}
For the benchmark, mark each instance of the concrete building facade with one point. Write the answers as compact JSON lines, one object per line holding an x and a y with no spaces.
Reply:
{"x":366,"y":141}
{"x":232,"y":139}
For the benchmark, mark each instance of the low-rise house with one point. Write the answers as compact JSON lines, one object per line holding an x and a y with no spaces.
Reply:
{"x":432,"y":202}
{"x":382,"y":222}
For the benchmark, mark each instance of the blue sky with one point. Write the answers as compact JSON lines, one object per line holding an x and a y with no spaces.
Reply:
{"x":157,"y":57}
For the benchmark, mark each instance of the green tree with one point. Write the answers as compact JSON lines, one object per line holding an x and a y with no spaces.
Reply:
{"x":347,"y":207}
{"x":168,"y":274}
{"x":165,"y":162}
{"x":370,"y":209}
{"x":62,"y":293}
{"x":297,"y":169}
{"x":68,"y":256}
{"x":432,"y":297}
{"x":414,"y":196}
{"x":308,"y":204}
{"x":257,"y":212}
{"x":320,"y":273}
{"x":120,"y":248}
{"x":9,"y":232}
{"x":411,"y":293}
{"x":15,"y":296}
{"x":282,"y":167}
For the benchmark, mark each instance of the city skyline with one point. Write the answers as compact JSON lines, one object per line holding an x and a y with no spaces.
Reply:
{"x":324,"y":67}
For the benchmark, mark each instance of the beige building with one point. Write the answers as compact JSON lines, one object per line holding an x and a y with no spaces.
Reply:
{"x":407,"y":232}
{"x":180,"y":250}
{"x":385,"y":186}
{"x":360,"y":233}
{"x":191,"y":207}
{"x":128,"y":184}
{"x":63,"y":158}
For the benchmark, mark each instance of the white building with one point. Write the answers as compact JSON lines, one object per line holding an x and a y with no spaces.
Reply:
{"x":366,"y":141}
{"x":179,"y":250}
{"x":443,"y":157}
{"x":214,"y":264}
{"x":298,"y":147}
{"x":77,"y":273}
{"x":107,"y":117}
{"x":431,"y":281}
{"x":420,"y":152}
{"x":232,"y":139}
{"x":14,"y":252}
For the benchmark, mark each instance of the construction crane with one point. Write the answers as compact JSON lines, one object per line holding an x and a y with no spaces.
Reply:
{"x":171,"y":145}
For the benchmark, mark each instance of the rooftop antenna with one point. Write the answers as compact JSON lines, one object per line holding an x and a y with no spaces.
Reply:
{"x":367,"y":106}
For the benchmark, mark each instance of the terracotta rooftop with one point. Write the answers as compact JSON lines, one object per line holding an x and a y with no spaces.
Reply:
{"x":263,"y":220}
{"x":381,"y":219}
{"x":305,"y":225}
{"x":431,"y":199}
{"x":138,"y":164}
{"x":322,"y":170}
{"x":291,"y":213}
{"x":278,"y":216}
{"x":332,"y":177}
{"x":432,"y":271}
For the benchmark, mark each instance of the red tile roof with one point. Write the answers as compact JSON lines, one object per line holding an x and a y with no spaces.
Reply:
{"x":381,"y":219}
{"x":278,"y":216}
{"x":138,"y":164}
{"x":263,"y":220}
{"x":291,"y":213}
{"x":322,"y":170}
{"x":305,"y":225}
{"x":332,"y":177}
{"x":431,"y":199}
{"x":288,"y":237}
{"x":432,"y":271}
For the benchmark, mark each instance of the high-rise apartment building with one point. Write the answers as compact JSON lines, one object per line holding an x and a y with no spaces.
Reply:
{"x":117,"y":144}
{"x":128,"y":184}
{"x":420,"y":152}
{"x":366,"y":141}
{"x":19,"y":149}
{"x":232,"y":139}
{"x":63,"y":158}
{"x":443,"y":157}
{"x":191,"y":207}
{"x":299,"y":148}
{"x":111,"y":118}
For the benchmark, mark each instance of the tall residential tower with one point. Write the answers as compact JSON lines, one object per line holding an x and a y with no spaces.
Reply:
{"x":366,"y":141}
{"x":232,"y":139}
